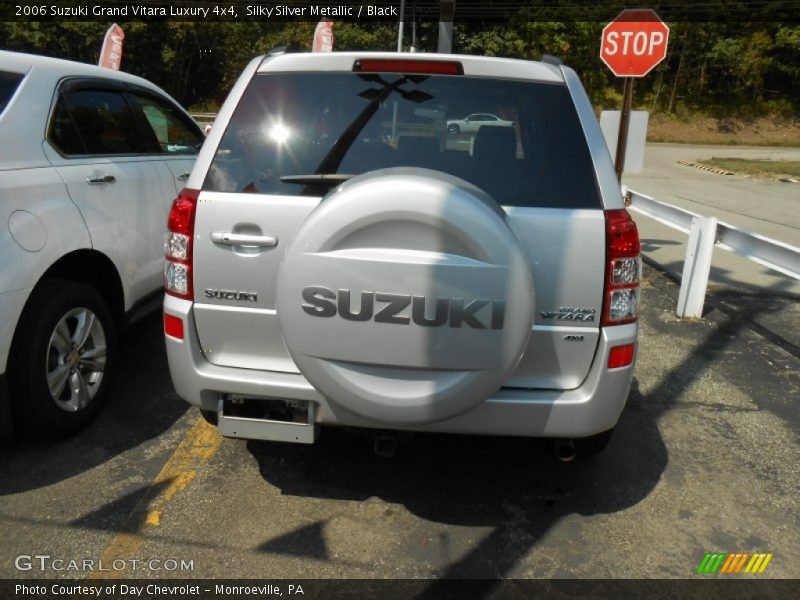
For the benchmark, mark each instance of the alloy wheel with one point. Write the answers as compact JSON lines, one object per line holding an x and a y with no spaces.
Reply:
{"x":76,"y":359}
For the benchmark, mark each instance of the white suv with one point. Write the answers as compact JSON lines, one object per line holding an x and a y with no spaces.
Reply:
{"x":90,"y":161}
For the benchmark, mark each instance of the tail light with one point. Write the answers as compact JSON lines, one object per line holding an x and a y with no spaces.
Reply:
{"x":178,"y":264}
{"x":623,"y":269}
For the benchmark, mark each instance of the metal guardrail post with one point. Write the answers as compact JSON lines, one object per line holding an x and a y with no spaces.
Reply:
{"x":696,"y":267}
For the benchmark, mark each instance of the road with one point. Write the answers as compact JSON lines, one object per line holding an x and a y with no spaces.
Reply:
{"x":769,"y":208}
{"x":704,"y":459}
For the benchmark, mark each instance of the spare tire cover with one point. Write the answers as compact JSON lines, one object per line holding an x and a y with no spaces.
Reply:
{"x":405,"y":297}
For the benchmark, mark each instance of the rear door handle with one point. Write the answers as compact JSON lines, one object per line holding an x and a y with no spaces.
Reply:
{"x":96,"y":179}
{"x":228,"y":238}
{"x":182,"y":177}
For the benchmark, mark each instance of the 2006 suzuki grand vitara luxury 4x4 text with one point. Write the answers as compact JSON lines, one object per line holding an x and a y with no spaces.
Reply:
{"x":340,"y":256}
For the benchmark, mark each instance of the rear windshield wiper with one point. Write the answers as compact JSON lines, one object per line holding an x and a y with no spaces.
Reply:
{"x":323,"y":179}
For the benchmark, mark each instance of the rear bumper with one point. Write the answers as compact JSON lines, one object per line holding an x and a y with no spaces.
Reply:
{"x":593,"y":407}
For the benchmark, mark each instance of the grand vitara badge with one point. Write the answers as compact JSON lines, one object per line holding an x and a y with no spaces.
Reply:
{"x":570,"y":313}
{"x":478,"y":313}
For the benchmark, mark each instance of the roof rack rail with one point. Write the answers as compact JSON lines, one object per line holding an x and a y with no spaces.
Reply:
{"x":552,"y":60}
{"x":278,"y":50}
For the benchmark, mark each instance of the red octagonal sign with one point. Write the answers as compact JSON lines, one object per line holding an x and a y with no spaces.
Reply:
{"x":634,"y":42}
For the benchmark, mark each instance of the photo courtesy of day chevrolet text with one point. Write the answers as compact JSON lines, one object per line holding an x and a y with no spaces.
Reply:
{"x":154,"y":590}
{"x":101,"y":590}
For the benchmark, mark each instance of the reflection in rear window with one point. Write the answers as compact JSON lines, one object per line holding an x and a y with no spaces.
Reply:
{"x":9,"y":82}
{"x":519,"y":141}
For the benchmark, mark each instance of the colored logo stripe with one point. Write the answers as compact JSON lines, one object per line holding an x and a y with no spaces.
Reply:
{"x":758,"y":563}
{"x":711,"y":562}
{"x":723,"y":562}
{"x":734,"y":563}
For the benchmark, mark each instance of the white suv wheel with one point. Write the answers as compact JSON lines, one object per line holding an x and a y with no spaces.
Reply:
{"x":76,"y":359}
{"x":62,"y":354}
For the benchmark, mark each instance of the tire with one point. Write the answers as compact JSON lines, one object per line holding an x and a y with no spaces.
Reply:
{"x":53,"y":340}
{"x":453,"y":129}
{"x":594,"y":444}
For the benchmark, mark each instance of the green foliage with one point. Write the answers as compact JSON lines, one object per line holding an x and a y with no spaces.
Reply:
{"x":715,"y":68}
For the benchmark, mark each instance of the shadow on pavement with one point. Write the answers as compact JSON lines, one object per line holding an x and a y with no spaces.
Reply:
{"x":137,"y":409}
{"x":770,"y":312}
{"x":514,"y":485}
{"x":648,"y":245}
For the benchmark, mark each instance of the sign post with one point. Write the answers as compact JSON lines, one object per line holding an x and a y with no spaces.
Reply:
{"x":624,"y":121}
{"x":631,"y":46}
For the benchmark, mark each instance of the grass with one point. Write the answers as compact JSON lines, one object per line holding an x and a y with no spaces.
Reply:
{"x":774,"y":169}
{"x":774,"y":130}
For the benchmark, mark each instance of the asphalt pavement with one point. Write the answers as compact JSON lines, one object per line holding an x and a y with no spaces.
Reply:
{"x":704,"y":459}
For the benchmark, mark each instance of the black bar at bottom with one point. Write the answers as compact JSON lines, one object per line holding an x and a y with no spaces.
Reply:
{"x":706,"y":587}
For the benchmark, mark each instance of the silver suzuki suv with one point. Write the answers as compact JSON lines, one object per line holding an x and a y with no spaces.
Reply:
{"x":342,"y":255}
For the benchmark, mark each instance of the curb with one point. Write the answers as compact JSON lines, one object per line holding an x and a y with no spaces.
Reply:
{"x":726,"y":172}
{"x":705,"y":168}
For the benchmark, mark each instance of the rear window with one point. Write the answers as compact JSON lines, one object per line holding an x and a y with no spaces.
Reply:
{"x":9,"y":82}
{"x":519,"y":141}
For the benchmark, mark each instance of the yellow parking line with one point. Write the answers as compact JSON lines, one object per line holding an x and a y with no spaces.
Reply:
{"x":197,"y":446}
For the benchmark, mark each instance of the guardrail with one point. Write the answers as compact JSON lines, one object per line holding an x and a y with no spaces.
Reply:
{"x":704,"y":234}
{"x":203,"y":117}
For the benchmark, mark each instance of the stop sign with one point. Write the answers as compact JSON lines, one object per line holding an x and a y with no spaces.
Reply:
{"x":634,"y":42}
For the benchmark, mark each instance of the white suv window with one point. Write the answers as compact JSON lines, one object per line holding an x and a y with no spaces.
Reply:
{"x":9,"y":82}
{"x":174,"y":134}
{"x":103,"y":120}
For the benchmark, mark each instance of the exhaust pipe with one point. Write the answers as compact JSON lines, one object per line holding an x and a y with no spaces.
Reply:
{"x":565,"y":449}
